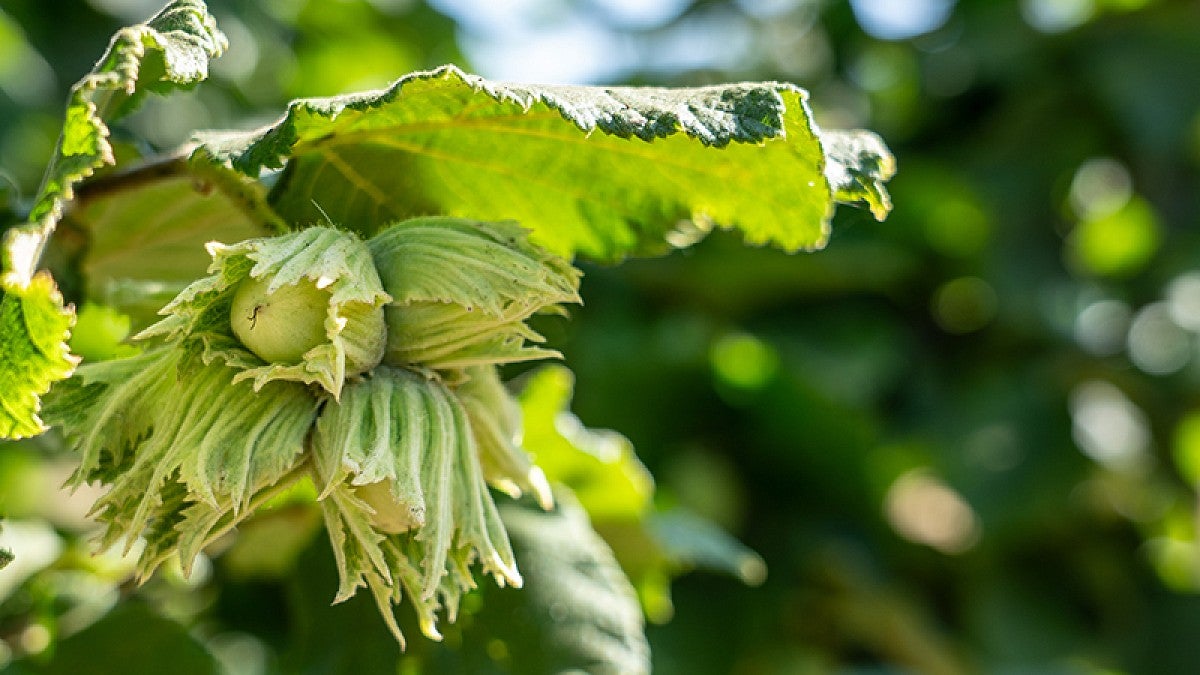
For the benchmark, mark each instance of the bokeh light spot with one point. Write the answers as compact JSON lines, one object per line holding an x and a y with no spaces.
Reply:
{"x":743,"y":361}
{"x":1176,"y":562}
{"x":1117,"y":244}
{"x":1108,"y":427}
{"x":1102,"y":326}
{"x":1157,"y":345}
{"x":1056,"y":16}
{"x":1100,"y":187}
{"x":900,"y":19}
{"x":964,"y":305}
{"x":925,"y":510}
{"x":957,"y":227}
{"x":1183,"y":301}
{"x":1186,"y":447}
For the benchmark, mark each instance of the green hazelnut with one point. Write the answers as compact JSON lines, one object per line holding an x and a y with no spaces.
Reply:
{"x":280,"y":326}
{"x":389,"y":515}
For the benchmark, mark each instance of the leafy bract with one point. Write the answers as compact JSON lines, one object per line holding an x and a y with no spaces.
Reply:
{"x":170,"y":50}
{"x":462,"y":290}
{"x":336,"y":263}
{"x":498,"y":426}
{"x":605,"y":172}
{"x":185,"y":447}
{"x":404,"y":495}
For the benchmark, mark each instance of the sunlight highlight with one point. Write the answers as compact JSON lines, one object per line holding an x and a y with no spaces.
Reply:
{"x":923,"y":509}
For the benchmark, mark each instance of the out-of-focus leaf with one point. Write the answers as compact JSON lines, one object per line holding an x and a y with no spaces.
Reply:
{"x":690,"y":540}
{"x":268,"y":544}
{"x":599,"y":466}
{"x":130,"y":640}
{"x":857,"y":165}
{"x":564,"y":161}
{"x":616,"y":491}
{"x":577,"y":612}
{"x":99,"y":334}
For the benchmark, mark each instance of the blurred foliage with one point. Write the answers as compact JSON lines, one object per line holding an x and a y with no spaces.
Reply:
{"x":962,"y":440}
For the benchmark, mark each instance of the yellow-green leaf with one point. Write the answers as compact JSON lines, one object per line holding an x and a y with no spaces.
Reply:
{"x":604,"y":172}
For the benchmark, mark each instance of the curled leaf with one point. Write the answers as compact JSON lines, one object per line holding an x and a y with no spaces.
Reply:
{"x":604,"y":172}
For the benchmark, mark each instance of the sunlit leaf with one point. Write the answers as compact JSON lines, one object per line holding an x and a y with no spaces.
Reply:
{"x":599,"y":466}
{"x":600,"y":171}
{"x":33,"y":352}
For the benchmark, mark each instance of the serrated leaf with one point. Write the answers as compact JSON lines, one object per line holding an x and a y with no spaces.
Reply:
{"x":600,"y":171}
{"x":858,"y":165}
{"x":170,"y":50}
{"x":34,"y":328}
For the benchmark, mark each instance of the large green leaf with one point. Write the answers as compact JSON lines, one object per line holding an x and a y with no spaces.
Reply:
{"x":168,"y":51}
{"x":131,"y":640}
{"x":600,"y":171}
